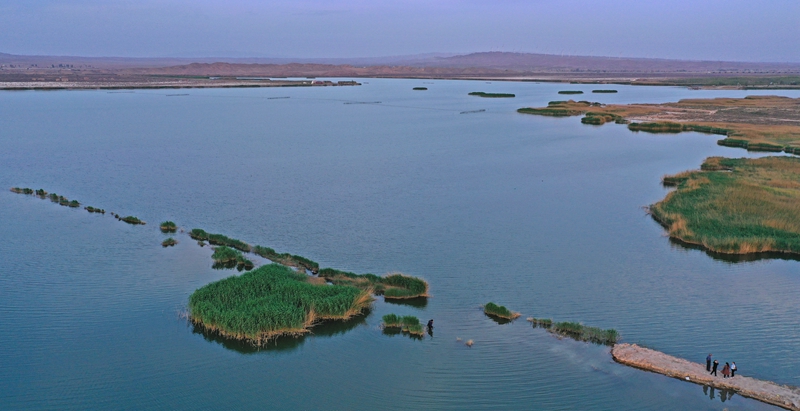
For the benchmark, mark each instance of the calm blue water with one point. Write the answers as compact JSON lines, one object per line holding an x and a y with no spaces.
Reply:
{"x":539,"y":214}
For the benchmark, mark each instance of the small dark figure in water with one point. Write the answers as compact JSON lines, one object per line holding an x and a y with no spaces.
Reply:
{"x":733,"y":369}
{"x":726,"y":371}
{"x":708,"y":363}
{"x":714,"y":368}
{"x":430,"y":324}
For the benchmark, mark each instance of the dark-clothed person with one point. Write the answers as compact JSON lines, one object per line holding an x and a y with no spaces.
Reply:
{"x":708,"y":363}
{"x":714,"y":368}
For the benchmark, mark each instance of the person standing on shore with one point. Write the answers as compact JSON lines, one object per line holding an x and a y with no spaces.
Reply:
{"x":726,"y":371}
{"x":733,"y":369}
{"x":708,"y":363}
{"x":714,"y":368}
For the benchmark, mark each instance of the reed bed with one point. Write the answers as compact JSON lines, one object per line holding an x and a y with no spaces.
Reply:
{"x":219,"y":239}
{"x":499,"y":311}
{"x":287,"y":259}
{"x":570,"y":92}
{"x":735,"y":206}
{"x":604,"y":91}
{"x":131,"y":220}
{"x":540,"y":322}
{"x":168,"y":227}
{"x":226,"y":257}
{"x":492,"y":95}
{"x":169,"y":242}
{"x":272,"y":301}
{"x":94,"y":210}
{"x":420,"y":88}
{"x":407,"y":324}
{"x":394,"y":286}
{"x":23,"y":190}
{"x":581,"y":332}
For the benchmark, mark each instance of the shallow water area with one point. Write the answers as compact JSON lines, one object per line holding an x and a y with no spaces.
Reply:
{"x":542,"y":215}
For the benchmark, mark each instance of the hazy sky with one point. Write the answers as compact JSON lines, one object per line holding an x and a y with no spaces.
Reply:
{"x":746,"y":30}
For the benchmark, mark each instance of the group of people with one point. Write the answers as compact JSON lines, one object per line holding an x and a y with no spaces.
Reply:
{"x":729,"y":370}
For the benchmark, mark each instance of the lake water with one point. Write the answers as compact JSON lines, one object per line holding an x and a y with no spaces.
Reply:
{"x":542,"y":215}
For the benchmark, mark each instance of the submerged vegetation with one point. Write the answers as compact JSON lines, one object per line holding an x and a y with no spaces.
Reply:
{"x":499,"y":311}
{"x":737,"y":206}
{"x":94,"y":210}
{"x":168,"y":227}
{"x":407,"y":324}
{"x":272,"y":301}
{"x":394,"y":286}
{"x":492,"y":95}
{"x":169,"y":242}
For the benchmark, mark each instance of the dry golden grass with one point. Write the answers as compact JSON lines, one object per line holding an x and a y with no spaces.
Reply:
{"x":761,"y":123}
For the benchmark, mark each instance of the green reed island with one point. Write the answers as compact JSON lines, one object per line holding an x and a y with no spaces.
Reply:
{"x":94,"y":210}
{"x":168,"y":227}
{"x":131,"y":220}
{"x":394,"y":286}
{"x":492,"y":95}
{"x":420,"y":88}
{"x":272,"y":301}
{"x":577,"y":331}
{"x":226,"y":257}
{"x":407,"y":324}
{"x":499,"y":311}
{"x":604,"y":91}
{"x":570,"y":92}
{"x":169,"y":242}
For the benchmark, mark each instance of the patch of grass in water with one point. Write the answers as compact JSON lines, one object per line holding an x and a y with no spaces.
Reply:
{"x":500,"y":311}
{"x":570,"y":92}
{"x":492,"y":95}
{"x":131,"y":220}
{"x":604,"y":91}
{"x":168,"y":227}
{"x":394,"y":286}
{"x":581,"y":332}
{"x":408,"y":324}
{"x":169,"y":242}
{"x":272,"y":301}
{"x":420,"y":88}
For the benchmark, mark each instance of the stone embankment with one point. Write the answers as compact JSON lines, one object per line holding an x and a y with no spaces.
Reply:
{"x":651,"y":360}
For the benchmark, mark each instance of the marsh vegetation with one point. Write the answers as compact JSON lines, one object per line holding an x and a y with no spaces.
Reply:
{"x":499,"y":311}
{"x":407,"y":324}
{"x":168,"y":227}
{"x":393,"y":286}
{"x":169,"y":242}
{"x":492,"y":95}
{"x":735,"y":206}
{"x":272,"y":301}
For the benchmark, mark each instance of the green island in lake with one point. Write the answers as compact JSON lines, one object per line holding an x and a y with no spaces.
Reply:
{"x":492,"y":95}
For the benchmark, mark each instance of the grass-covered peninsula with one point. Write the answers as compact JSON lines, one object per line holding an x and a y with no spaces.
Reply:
{"x":737,"y":206}
{"x":756,"y":123}
{"x":272,"y":301}
{"x":492,"y":95}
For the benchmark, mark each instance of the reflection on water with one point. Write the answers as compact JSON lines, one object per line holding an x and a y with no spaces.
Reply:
{"x":733,"y":258}
{"x":324,"y":329}
{"x":499,"y":320}
{"x":419,"y":302}
{"x":394,"y":331}
{"x":724,"y":395}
